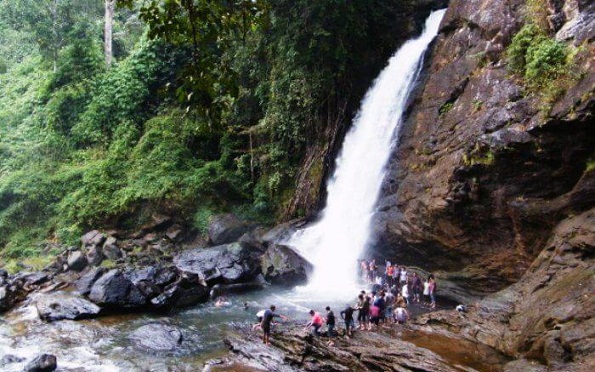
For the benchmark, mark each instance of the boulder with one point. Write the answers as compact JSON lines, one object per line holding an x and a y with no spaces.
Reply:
{"x":115,"y":290}
{"x":111,"y":250}
{"x":282,"y":265}
{"x":92,"y":238}
{"x":77,"y":261}
{"x":7,"y":299}
{"x":85,"y":282}
{"x":188,"y":290}
{"x":94,"y":256}
{"x":227,"y":264}
{"x":226,"y":228}
{"x":42,"y":363}
{"x":60,"y":306}
{"x":10,"y":359}
{"x":156,"y":337}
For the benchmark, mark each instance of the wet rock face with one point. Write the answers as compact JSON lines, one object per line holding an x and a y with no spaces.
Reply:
{"x":283,"y":266}
{"x":483,"y":173}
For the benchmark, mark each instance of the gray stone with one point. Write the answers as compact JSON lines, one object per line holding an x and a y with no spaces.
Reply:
{"x":226,"y":228}
{"x":85,"y":282}
{"x":94,"y":256}
{"x":228,"y":264}
{"x":112,"y":252}
{"x":282,"y":265}
{"x":114,"y":290}
{"x":42,"y":363}
{"x":93,"y":237}
{"x":156,"y":337}
{"x":77,"y":261}
{"x":65,"y":306}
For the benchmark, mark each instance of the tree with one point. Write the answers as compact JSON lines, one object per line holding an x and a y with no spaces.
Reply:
{"x":109,"y":23}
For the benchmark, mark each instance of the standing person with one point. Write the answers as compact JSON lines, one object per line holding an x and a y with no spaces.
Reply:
{"x":267,"y":319}
{"x":316,"y":322}
{"x":426,"y":292}
{"x":389,"y":301}
{"x":390,"y":270}
{"x":403,"y":275}
{"x":405,"y":292}
{"x":373,"y":270}
{"x":330,"y":324}
{"x":432,"y":289}
{"x":361,"y":311}
{"x":381,"y":304}
{"x":347,"y":315}
{"x":416,"y":286}
{"x":363,"y":269}
{"x":396,"y":274}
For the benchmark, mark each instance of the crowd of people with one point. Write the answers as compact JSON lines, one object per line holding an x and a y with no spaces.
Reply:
{"x":393,"y":291}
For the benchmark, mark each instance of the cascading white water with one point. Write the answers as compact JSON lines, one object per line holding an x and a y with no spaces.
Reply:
{"x":339,"y":238}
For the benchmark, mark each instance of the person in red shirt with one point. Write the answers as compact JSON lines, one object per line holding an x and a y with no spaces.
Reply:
{"x":316,"y":322}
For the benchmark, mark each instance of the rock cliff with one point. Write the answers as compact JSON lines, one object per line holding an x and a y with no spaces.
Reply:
{"x":493,"y":184}
{"x":487,"y":167}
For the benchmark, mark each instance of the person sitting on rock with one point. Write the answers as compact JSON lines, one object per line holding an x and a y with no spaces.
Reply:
{"x":265,"y":324}
{"x":316,"y":322}
{"x":401,"y":315}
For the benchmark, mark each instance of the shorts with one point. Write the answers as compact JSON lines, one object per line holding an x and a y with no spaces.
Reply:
{"x":266,"y":328}
{"x":362,"y":316}
{"x":375,"y":320}
{"x":330,"y":328}
{"x":349,"y":324}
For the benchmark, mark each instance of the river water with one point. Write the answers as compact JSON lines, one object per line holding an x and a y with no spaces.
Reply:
{"x":102,"y":344}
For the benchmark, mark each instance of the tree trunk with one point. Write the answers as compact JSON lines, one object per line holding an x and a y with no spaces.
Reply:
{"x":110,"y":5}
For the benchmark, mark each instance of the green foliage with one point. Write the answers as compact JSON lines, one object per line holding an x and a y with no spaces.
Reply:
{"x":536,"y":57}
{"x":445,"y":108}
{"x":212,"y":111}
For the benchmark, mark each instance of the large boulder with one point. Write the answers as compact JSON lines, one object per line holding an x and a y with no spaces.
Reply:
{"x":156,"y":337}
{"x":188,"y":290}
{"x":227,"y":264}
{"x":92,"y":238}
{"x":7,"y":298}
{"x":226,"y":228}
{"x":282,"y":265}
{"x":77,"y":261}
{"x":94,"y":256}
{"x":42,"y":363}
{"x":114,"y":290}
{"x":65,"y":306}
{"x":85,"y":282}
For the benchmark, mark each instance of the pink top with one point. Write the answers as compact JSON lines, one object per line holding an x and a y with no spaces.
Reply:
{"x":316,"y":319}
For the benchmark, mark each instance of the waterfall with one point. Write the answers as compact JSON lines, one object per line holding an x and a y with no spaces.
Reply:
{"x":339,"y":238}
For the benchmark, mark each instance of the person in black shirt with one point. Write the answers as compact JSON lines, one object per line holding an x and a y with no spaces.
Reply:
{"x":330,"y":324}
{"x":267,"y":319}
{"x":347,"y":315}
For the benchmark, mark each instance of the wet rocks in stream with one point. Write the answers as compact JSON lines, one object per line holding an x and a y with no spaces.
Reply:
{"x":60,"y":306}
{"x":156,"y":337}
{"x":42,"y":363}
